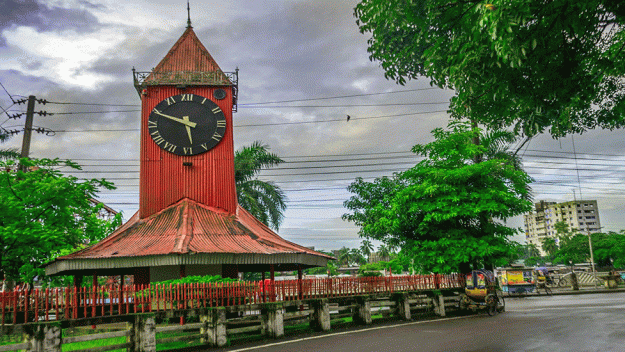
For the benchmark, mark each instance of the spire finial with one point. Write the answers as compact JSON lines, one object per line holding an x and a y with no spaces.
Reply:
{"x":188,"y":15}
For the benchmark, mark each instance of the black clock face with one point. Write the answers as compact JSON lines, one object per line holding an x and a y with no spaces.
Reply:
{"x":187,"y":124}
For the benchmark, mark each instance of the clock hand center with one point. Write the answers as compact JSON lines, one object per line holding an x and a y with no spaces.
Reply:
{"x":182,"y":121}
{"x":186,"y":118}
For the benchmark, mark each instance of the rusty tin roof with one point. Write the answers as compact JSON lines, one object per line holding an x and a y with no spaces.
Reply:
{"x":188,"y":62}
{"x":189,"y":233}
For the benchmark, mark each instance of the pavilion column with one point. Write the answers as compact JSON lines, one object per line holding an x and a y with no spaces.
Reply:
{"x":77,"y":281}
{"x":122,"y":278}
{"x":272,"y":277}
{"x":299,"y":282}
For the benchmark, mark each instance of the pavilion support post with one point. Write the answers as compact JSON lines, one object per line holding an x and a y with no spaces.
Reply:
{"x":122,"y":279}
{"x":77,"y":281}
{"x":362,"y":313}
{"x":320,"y":319}
{"x":300,"y":288}
{"x":183,"y":273}
{"x":272,"y":277}
{"x":263,"y":289}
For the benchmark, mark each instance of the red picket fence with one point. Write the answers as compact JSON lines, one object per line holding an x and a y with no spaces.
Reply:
{"x":22,"y":306}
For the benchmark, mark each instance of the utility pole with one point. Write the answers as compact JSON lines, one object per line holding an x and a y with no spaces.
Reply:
{"x":592,"y":258}
{"x":28,"y":129}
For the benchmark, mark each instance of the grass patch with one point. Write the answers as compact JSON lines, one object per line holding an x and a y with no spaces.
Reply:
{"x":95,"y":343}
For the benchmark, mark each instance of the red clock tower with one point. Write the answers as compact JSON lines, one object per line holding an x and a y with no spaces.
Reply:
{"x":189,"y":221}
{"x":167,"y":174}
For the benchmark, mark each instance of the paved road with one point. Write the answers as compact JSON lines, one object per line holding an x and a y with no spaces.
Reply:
{"x":558,"y":323}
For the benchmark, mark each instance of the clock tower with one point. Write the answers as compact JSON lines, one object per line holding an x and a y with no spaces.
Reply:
{"x":189,"y":221}
{"x":187,"y":149}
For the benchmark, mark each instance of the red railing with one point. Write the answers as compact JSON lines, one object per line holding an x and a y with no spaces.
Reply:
{"x":20,"y":306}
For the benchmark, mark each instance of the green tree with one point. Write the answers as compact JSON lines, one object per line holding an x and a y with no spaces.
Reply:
{"x":263,"y":199}
{"x":535,"y":65}
{"x":574,"y":249}
{"x":447,"y":210}
{"x":45,"y":213}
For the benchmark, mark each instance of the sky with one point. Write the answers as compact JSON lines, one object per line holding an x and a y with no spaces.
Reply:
{"x":303,"y":68}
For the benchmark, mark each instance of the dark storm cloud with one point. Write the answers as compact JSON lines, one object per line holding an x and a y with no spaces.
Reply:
{"x":35,"y":14}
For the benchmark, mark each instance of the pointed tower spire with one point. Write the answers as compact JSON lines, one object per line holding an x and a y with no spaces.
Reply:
{"x":188,"y":15}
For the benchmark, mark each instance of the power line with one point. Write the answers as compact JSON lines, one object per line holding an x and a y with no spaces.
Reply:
{"x":340,"y":96}
{"x":269,"y":124}
{"x":343,"y":105}
{"x":268,"y":102}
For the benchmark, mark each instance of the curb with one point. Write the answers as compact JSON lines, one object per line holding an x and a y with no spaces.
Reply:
{"x":569,"y":292}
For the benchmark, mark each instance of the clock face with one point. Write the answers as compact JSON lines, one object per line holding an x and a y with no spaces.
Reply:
{"x":187,"y":124}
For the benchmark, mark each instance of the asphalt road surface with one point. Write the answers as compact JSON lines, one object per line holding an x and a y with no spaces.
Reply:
{"x":591,"y":322}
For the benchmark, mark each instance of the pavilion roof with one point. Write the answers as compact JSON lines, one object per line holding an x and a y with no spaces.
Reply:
{"x":189,"y":232}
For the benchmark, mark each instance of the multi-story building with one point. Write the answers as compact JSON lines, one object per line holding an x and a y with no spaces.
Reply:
{"x":579,"y":215}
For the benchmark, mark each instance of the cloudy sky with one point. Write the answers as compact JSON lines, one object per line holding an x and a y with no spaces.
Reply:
{"x":303,"y":68}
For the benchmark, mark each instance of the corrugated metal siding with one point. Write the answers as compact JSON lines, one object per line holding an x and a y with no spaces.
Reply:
{"x":163,"y":178}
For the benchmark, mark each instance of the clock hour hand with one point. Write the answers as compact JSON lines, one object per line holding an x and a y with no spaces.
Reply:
{"x":184,"y":122}
{"x":186,"y":118}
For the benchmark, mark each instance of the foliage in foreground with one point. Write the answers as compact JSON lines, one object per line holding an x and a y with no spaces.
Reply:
{"x":45,"y":212}
{"x":447,"y":211}
{"x":536,"y":65}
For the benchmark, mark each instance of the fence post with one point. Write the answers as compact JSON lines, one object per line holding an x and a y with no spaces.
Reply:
{"x":403,"y":306}
{"x":143,"y":333}
{"x":362,"y":314}
{"x":44,"y":337}
{"x":439,"y":305}
{"x":214,"y":329}
{"x":321,"y":315}
{"x":272,"y":320}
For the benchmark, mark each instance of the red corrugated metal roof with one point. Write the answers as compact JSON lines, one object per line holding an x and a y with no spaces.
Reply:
{"x":189,"y":227}
{"x":188,"y":62}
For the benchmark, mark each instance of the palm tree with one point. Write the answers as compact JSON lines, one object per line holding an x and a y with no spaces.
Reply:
{"x":6,"y":154}
{"x":263,"y":199}
{"x":366,"y":248}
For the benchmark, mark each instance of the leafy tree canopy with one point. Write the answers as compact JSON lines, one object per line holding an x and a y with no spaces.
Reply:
{"x":447,"y":210}
{"x":44,"y":213}
{"x":531,"y":64}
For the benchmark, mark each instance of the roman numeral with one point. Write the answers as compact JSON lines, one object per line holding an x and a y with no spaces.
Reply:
{"x":187,"y":97}
{"x":170,"y":147}
{"x":157,"y":137}
{"x":203,"y":101}
{"x":216,"y":110}
{"x":187,"y":150}
{"x":204,"y":146}
{"x":170,"y":101}
{"x":152,"y":124}
{"x":217,"y":136}
{"x":221,"y":123}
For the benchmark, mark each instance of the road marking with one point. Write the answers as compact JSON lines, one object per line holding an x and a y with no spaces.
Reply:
{"x":346,"y":333}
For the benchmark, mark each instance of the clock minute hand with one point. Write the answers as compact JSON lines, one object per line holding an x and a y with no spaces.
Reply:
{"x":187,"y":123}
